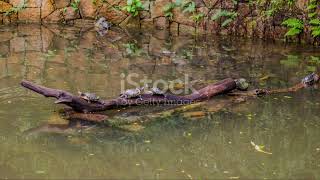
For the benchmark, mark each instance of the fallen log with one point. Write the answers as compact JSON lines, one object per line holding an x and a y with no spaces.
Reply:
{"x":80,"y":105}
{"x":237,"y":97}
{"x":224,"y":86}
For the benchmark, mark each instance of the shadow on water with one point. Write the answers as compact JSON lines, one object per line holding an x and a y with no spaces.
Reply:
{"x":214,"y":145}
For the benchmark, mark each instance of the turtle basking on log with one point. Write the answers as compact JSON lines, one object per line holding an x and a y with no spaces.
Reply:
{"x":155,"y":91}
{"x":241,"y":84}
{"x":132,"y":93}
{"x":90,"y":97}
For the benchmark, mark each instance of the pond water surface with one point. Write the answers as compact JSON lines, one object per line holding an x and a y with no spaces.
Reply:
{"x":214,"y":145}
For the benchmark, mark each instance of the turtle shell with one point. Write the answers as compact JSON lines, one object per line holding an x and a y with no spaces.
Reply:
{"x":242,"y":84}
{"x":89,"y":96}
{"x":156,"y":91}
{"x":310,"y":79}
{"x":130,"y":93}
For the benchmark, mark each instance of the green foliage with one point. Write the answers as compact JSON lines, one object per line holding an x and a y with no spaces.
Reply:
{"x":295,"y":26}
{"x":312,"y":6}
{"x":133,"y":7}
{"x":132,"y":49}
{"x":270,"y":7}
{"x":197,"y":17}
{"x":75,"y":5}
{"x":314,"y":20}
{"x":188,"y":6}
{"x":16,"y":9}
{"x":167,"y":9}
{"x":315,"y":31}
{"x":229,"y":16}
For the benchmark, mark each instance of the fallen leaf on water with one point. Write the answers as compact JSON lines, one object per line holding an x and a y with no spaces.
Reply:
{"x":234,"y":177}
{"x":259,"y":148}
{"x":40,"y":172}
{"x":264,"y":78}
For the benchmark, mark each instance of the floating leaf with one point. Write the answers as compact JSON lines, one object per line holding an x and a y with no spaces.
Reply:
{"x":259,"y":148}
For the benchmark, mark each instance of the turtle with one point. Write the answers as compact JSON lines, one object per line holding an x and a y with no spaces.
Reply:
{"x":90,"y":97}
{"x":242,"y":84}
{"x":156,"y":91}
{"x":132,"y":93}
{"x":310,"y":79}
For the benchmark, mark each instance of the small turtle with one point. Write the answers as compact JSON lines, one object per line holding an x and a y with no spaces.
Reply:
{"x":90,"y":97}
{"x":156,"y":91}
{"x":132,"y":93}
{"x":310,"y":79}
{"x":242,"y":84}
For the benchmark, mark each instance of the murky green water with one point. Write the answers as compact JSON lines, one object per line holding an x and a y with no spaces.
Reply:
{"x":217,"y":145}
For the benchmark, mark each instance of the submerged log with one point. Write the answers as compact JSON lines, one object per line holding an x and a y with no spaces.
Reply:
{"x":79,"y":104}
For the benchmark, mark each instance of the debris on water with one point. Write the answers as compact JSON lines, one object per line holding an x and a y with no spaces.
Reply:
{"x":187,"y":134}
{"x":259,"y":148}
{"x":225,"y":172}
{"x":234,"y":177}
{"x":40,"y":172}
{"x":147,"y":141}
{"x":287,"y":97}
{"x":189,"y":176}
{"x":194,"y":114}
{"x":249,"y":116}
{"x":137,"y":164}
{"x":9,"y":102}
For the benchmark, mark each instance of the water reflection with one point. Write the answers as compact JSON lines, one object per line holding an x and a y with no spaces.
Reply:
{"x":215,"y":146}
